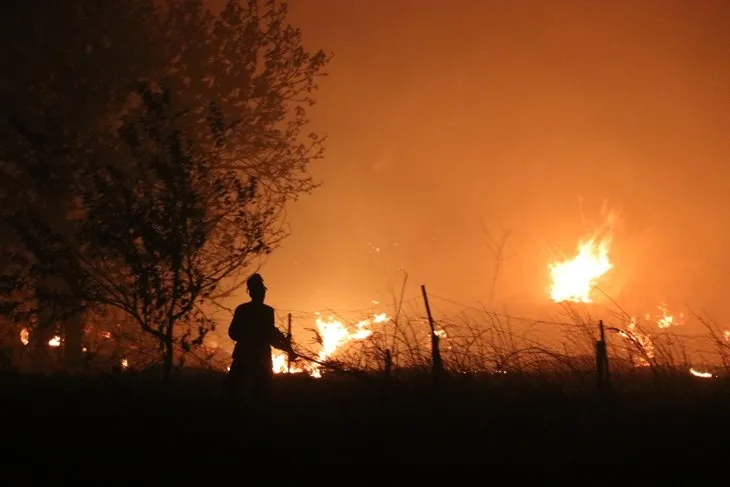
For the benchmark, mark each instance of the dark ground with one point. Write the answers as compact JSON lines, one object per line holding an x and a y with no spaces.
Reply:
{"x":518,"y":427}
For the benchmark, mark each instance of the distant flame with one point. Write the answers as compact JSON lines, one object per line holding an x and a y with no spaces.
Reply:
{"x":125,"y":363}
{"x":24,"y":336}
{"x":697,"y":373}
{"x":55,"y":341}
{"x":574,"y":279}
{"x":667,"y":319}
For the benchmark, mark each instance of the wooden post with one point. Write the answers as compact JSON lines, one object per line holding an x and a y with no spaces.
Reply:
{"x":437,"y":366}
{"x":603,"y":377}
{"x":288,"y":337}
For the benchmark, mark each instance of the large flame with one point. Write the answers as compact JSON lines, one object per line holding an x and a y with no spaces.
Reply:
{"x":574,"y":279}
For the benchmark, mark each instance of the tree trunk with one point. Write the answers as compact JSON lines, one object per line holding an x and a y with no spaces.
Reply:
{"x":169,"y":356}
{"x":42,"y":332}
{"x":73,"y":332}
{"x":41,"y":353}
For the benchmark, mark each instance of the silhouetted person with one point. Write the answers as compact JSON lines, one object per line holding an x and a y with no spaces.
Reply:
{"x":254,"y":331}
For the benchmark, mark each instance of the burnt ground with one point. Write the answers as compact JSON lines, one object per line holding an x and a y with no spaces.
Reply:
{"x":514,"y":426}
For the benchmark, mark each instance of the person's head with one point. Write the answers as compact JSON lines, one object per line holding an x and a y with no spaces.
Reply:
{"x":256,"y":288}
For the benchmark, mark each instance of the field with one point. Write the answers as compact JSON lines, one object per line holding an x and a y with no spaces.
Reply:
{"x":372,"y":423}
{"x":507,"y":403}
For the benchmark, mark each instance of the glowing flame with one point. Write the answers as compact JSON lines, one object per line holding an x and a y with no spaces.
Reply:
{"x":573,"y":280}
{"x":726,"y":333}
{"x":125,"y":363}
{"x":333,"y":335}
{"x":697,"y":373}
{"x":666,"y":319}
{"x":279,"y":364}
{"x":24,"y":336}
{"x":642,"y":340}
{"x":55,"y":341}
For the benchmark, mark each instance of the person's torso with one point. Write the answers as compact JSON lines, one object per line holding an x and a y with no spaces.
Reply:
{"x":254,"y":325}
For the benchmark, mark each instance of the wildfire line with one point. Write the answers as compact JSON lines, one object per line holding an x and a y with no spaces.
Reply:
{"x":330,"y":365}
{"x":502,"y":315}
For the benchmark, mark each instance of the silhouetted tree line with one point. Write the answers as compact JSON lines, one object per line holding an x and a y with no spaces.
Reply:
{"x":148,"y":149}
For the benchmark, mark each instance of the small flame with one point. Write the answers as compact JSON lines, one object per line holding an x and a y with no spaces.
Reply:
{"x":726,"y":333}
{"x":697,"y":373}
{"x":667,"y":319}
{"x":24,"y":336}
{"x":380,"y":318}
{"x":279,"y":364}
{"x":125,"y":363}
{"x":334,"y":334}
{"x":55,"y":341}
{"x":644,"y":343}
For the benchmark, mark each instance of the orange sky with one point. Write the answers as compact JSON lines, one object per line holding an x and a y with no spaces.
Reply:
{"x":443,"y":115}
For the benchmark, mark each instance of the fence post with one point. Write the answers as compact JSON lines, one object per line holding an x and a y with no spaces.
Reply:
{"x":288,"y":337}
{"x":437,"y":366}
{"x":603,"y":376}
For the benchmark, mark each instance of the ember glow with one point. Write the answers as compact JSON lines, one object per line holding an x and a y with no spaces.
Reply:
{"x":573,"y":279}
{"x":24,"y":336}
{"x":55,"y":341}
{"x":697,"y":373}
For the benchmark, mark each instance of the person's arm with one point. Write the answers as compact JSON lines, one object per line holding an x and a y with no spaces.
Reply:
{"x":236,"y":327}
{"x":277,"y":339}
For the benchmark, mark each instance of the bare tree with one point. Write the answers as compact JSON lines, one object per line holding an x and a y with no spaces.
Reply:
{"x":496,"y":245}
